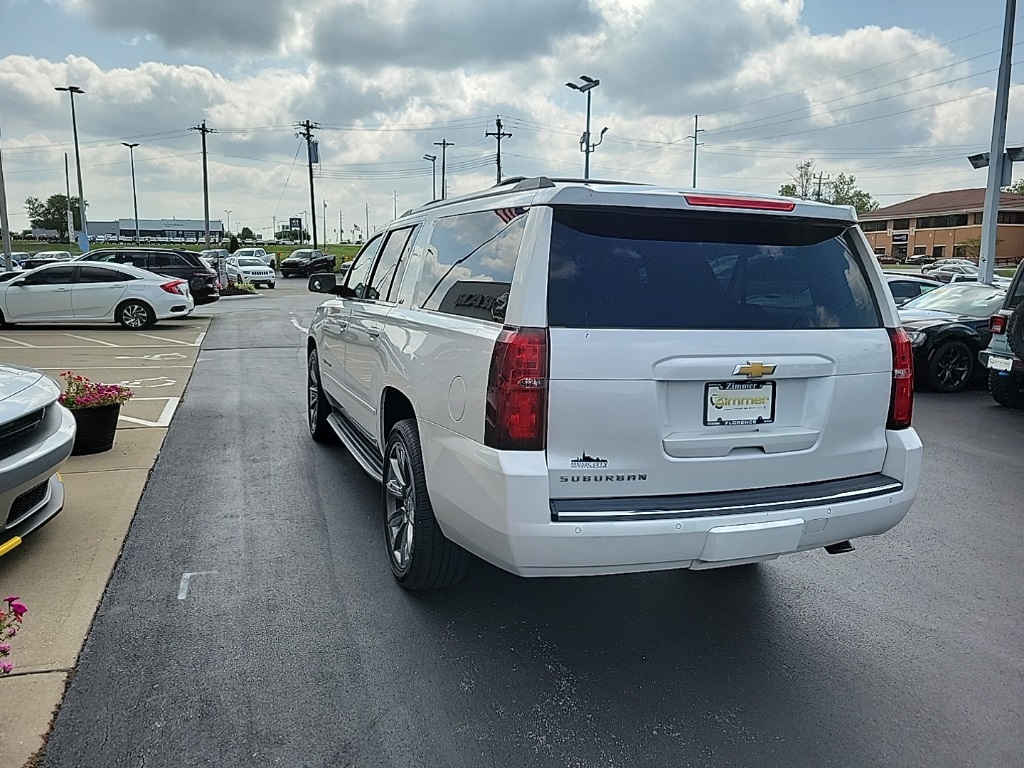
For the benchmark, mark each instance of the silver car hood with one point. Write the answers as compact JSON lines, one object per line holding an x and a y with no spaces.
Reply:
{"x":23,"y":390}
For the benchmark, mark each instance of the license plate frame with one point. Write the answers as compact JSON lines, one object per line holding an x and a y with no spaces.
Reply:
{"x":998,"y":363}
{"x":760,"y":408}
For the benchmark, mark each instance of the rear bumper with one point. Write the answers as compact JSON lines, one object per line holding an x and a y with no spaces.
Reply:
{"x":497,"y":506}
{"x":1007,"y":363}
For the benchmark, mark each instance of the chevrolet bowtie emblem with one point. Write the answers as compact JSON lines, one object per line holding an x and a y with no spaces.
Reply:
{"x":754,"y":369}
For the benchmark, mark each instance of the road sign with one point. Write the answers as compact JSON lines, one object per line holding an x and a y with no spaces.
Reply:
{"x":295,"y":224}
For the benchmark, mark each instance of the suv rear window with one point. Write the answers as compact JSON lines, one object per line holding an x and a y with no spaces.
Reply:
{"x":612,"y":268}
{"x":1016,"y":293}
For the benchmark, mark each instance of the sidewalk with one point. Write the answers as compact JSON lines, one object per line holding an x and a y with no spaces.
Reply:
{"x":62,"y":570}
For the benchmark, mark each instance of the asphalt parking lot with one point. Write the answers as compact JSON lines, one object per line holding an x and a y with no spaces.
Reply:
{"x":251,"y":618}
{"x":62,"y":570}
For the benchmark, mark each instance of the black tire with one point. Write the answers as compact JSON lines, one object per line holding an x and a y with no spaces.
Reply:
{"x":1015,"y":331}
{"x":271,"y":286}
{"x":951,"y":367}
{"x":420,"y":556}
{"x":135,"y":315}
{"x":1007,"y":389}
{"x":317,"y":409}
{"x":3,"y":321}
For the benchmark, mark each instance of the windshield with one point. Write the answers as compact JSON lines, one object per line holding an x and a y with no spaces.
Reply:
{"x":968,"y":300}
{"x":302,"y":255}
{"x":250,"y":262}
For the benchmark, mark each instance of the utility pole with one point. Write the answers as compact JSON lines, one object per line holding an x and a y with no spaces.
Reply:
{"x":67,"y":197}
{"x":497,"y":134}
{"x":817,"y":195}
{"x":203,"y":130}
{"x":341,"y":229}
{"x":135,"y":197}
{"x":396,"y":203}
{"x":325,"y":223}
{"x":696,"y":132}
{"x":311,"y":149}
{"x":83,"y":241}
{"x":1000,"y":168}
{"x":4,"y":223}
{"x":444,"y":144}
{"x":433,"y":176}
{"x":367,"y":222}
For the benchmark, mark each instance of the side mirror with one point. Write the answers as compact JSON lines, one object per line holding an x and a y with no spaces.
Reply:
{"x":327,"y":282}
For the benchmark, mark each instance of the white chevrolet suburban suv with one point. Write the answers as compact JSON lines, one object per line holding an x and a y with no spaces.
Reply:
{"x":572,"y":378}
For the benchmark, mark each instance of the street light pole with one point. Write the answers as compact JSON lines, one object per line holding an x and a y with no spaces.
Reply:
{"x":228,"y":212}
{"x":135,"y":197}
{"x":586,"y":145}
{"x":83,"y":241}
{"x":433,"y":175}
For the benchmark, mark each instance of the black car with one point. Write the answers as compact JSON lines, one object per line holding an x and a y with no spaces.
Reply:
{"x":305,"y":261}
{"x":202,"y":280}
{"x":948,"y":327}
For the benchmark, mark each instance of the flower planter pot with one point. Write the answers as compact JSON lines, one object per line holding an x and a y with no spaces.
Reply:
{"x":95,"y":428}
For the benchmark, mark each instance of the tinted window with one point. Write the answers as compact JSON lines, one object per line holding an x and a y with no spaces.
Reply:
{"x":359,"y":273}
{"x":636,"y":269}
{"x":99,"y":275}
{"x":55,"y":276}
{"x":102,"y":257}
{"x":1017,"y":294}
{"x":902,"y":290}
{"x":164,"y":260}
{"x":468,"y":265}
{"x":388,"y":264}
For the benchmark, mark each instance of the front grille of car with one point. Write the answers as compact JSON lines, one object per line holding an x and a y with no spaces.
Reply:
{"x":19,"y":428}
{"x":26,"y":502}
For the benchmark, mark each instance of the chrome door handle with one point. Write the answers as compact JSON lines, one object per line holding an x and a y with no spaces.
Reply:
{"x":374,"y":333}
{"x":61,"y":290}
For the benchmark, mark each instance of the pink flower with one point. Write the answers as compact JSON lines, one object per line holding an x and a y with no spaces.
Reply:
{"x":18,"y":609}
{"x":11,"y":598}
{"x":5,"y":648}
{"x":6,"y":667}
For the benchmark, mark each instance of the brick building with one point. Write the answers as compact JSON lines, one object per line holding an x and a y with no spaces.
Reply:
{"x":939,"y":225}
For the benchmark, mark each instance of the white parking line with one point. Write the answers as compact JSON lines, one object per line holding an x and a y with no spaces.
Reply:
{"x":117,"y":367}
{"x":173,"y":341}
{"x":19,"y":343}
{"x":186,"y":578}
{"x":163,"y":420}
{"x":94,"y":341}
{"x":199,"y":339}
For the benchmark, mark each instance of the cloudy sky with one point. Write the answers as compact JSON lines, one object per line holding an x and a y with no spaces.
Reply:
{"x":896,"y":93}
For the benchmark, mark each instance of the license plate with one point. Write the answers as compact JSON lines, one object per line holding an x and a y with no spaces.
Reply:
{"x":739,"y":403}
{"x":1000,"y":363}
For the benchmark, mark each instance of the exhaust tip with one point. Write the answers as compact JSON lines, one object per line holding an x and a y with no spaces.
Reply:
{"x":839,"y":548}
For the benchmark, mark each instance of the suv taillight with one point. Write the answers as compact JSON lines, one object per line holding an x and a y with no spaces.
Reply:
{"x":997,"y":324}
{"x":901,"y":401}
{"x":517,"y":397}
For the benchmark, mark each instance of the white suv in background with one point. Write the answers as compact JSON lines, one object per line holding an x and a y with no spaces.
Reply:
{"x":574,"y":378}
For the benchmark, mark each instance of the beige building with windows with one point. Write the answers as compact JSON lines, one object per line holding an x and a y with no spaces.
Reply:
{"x":938,"y":225}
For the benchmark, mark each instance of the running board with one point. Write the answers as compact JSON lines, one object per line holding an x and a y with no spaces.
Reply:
{"x":362,"y":450}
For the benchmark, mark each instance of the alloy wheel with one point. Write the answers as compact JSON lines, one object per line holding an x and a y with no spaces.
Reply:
{"x":313,"y":387}
{"x":401,"y":506}
{"x":953,"y":366}
{"x":135,"y":316}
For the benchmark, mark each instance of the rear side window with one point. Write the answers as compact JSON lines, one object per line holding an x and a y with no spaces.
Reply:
{"x":468,"y":265}
{"x":611,"y":268}
{"x":1016,"y":293}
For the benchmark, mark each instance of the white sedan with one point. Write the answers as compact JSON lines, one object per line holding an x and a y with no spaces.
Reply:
{"x":81,"y":292}
{"x":250,"y":269}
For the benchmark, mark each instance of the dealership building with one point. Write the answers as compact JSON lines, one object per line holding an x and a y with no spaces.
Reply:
{"x":940,"y":225}
{"x":159,"y":230}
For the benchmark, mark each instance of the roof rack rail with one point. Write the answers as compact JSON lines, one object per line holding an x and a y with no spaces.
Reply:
{"x":518,"y":184}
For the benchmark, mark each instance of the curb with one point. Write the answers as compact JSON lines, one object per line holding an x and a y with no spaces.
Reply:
{"x":247,"y":296}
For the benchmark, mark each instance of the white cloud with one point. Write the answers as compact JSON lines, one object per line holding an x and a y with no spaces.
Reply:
{"x":387,"y":80}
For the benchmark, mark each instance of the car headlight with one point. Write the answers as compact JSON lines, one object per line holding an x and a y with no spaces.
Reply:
{"x":916,"y":338}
